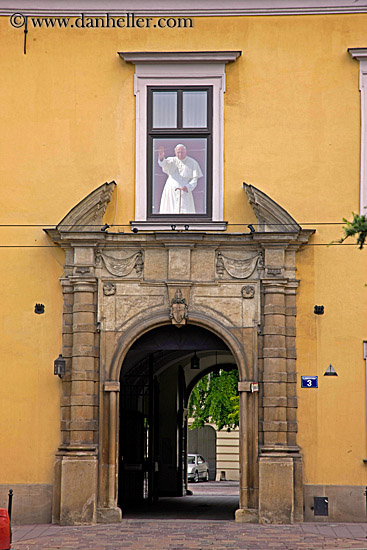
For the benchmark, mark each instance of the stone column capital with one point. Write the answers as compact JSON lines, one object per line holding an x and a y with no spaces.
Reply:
{"x":278,"y":450}
{"x":111,"y":386}
{"x":83,"y":284}
{"x":292,"y":286}
{"x":272,"y":285}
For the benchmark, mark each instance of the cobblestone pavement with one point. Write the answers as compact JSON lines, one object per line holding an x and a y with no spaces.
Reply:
{"x":202,"y":521}
{"x":191,"y":535}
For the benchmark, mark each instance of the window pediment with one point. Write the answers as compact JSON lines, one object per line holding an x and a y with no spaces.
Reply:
{"x":180,"y":57}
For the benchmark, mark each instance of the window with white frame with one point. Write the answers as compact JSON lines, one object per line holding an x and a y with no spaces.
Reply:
{"x":361,"y":55}
{"x":179,"y":138}
{"x":179,"y":170}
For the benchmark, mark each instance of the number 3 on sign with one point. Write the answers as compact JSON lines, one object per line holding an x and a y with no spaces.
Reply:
{"x":309,"y":382}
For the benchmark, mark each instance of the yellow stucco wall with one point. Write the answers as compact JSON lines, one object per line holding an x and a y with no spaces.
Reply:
{"x":292,"y":129}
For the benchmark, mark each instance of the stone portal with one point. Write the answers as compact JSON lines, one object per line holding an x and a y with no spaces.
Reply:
{"x":118,"y":287}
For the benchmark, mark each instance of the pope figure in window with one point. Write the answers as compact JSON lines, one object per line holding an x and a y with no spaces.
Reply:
{"x":183,"y":174}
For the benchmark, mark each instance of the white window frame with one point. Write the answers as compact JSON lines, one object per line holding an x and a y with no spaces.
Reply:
{"x":361,"y":55}
{"x":179,"y":69}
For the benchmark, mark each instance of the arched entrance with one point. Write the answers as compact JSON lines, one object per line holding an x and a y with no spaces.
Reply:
{"x":117,"y":287}
{"x":156,"y":376}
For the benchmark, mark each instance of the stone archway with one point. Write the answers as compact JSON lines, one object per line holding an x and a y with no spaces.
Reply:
{"x":155,"y":377}
{"x":117,"y":286}
{"x":248,"y":404}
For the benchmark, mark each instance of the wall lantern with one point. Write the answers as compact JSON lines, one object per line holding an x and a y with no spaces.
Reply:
{"x":364,"y":349}
{"x":319,"y":310}
{"x":195,"y":362}
{"x":330,"y":371}
{"x":59,"y":366}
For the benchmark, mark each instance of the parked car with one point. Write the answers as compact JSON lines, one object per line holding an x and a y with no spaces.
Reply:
{"x":197,"y":468}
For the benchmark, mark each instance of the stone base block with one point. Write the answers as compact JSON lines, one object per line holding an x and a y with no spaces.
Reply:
{"x":109,"y":515}
{"x":246,"y":515}
{"x":276,"y":489}
{"x":78,"y":502}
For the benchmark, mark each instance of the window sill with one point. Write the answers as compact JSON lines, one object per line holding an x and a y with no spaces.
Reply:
{"x":178,"y":226}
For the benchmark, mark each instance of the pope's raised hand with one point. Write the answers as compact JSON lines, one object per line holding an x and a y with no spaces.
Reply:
{"x":161,"y":152}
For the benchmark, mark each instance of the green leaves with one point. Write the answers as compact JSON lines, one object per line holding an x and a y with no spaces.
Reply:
{"x":215,"y":399}
{"x":357,"y":227}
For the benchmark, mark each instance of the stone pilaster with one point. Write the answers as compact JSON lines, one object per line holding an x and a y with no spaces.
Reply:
{"x":292,"y":402}
{"x":248,"y":513}
{"x":280,"y":464}
{"x":274,"y":364}
{"x":108,"y":511}
{"x":83,"y":423}
{"x":67,"y":352}
{"x":77,"y":457}
{"x":290,"y":326}
{"x":67,"y":349}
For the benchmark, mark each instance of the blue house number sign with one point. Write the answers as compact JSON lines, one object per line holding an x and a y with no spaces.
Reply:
{"x":309,"y":382}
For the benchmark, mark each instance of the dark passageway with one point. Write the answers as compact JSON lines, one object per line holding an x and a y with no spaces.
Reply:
{"x":216,"y":500}
{"x":156,"y":379}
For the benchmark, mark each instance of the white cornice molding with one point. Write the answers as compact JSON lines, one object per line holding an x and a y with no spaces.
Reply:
{"x":358,"y":53}
{"x":192,"y":8}
{"x":180,"y":57}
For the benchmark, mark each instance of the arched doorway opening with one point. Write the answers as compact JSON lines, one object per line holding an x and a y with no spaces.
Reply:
{"x":156,"y":378}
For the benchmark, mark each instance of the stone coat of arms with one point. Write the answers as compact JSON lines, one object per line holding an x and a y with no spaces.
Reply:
{"x":179,"y":309}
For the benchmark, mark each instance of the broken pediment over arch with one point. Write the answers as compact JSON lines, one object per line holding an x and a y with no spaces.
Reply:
{"x":271,"y":217}
{"x":87,"y":215}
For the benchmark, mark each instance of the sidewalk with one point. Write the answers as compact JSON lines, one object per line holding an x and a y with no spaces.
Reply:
{"x":134,"y":534}
{"x":199,"y":522}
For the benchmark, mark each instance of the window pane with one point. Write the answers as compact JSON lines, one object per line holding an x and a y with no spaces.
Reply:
{"x":164,"y":109}
{"x":179,"y":178}
{"x":194,"y":109}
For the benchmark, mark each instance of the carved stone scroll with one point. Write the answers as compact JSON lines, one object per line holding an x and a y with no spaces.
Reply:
{"x":139,"y":264}
{"x":237,"y":268}
{"x":122,"y":267}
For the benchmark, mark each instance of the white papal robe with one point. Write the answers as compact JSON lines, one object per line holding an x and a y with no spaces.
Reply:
{"x":180,"y":173}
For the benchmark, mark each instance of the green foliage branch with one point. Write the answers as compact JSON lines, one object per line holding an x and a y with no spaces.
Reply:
{"x":357,"y":227}
{"x":215,"y":399}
